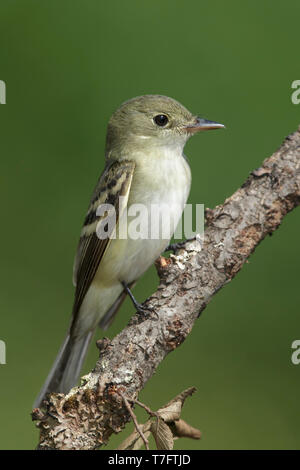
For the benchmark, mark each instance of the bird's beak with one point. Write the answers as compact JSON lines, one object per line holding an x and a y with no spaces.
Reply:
{"x":203,"y":125}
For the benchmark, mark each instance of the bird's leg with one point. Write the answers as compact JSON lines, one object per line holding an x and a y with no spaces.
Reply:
{"x":176,"y":246}
{"x":137,"y":305}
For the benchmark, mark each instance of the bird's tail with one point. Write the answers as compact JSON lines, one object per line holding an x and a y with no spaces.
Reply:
{"x":66,"y":368}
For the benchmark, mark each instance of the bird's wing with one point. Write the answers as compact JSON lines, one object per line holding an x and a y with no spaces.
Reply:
{"x":114,"y":182}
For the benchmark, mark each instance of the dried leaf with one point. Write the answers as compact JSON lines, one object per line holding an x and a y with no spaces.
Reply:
{"x":172,"y":410}
{"x":162,"y":434}
{"x":181,"y":428}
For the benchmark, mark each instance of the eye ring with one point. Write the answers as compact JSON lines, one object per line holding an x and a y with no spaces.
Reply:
{"x":161,"y":120}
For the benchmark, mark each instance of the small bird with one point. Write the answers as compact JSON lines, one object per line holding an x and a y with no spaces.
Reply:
{"x":145,"y":165}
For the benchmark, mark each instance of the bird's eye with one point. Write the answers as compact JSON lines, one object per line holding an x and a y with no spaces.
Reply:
{"x":161,"y":120}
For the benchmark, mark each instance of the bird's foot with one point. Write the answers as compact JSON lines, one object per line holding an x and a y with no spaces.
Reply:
{"x":176,"y":246}
{"x":144,"y":310}
{"x":139,"y":307}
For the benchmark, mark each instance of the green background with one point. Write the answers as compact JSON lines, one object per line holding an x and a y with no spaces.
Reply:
{"x":67,"y":66}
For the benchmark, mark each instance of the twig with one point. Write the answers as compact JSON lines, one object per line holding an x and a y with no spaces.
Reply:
{"x":134,"y":419}
{"x":145,"y":407}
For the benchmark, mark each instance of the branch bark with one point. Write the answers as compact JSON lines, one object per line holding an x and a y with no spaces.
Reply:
{"x":89,"y":414}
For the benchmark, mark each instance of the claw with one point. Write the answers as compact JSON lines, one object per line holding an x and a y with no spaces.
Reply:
{"x":139,"y":307}
{"x":176,"y":246}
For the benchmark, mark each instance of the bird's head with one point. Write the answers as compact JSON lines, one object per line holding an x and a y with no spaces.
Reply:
{"x":149,"y":122}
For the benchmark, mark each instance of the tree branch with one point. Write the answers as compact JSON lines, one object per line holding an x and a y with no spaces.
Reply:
{"x":89,"y":414}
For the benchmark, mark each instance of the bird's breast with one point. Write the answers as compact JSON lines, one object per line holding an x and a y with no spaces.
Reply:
{"x":158,"y":193}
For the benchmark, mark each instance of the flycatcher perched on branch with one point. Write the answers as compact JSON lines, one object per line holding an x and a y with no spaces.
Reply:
{"x":145,"y":165}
